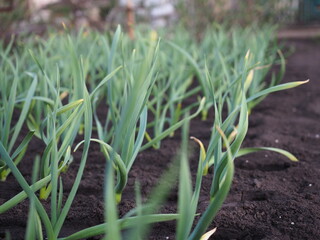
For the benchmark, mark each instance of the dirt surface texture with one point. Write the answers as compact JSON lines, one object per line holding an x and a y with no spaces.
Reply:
{"x":271,"y":197}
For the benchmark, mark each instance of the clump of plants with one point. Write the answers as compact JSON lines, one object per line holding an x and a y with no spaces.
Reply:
{"x":57,"y":84}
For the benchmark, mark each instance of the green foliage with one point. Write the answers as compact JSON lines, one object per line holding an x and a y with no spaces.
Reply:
{"x":150,"y":88}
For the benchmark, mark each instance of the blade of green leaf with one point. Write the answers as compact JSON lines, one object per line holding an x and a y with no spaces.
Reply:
{"x":245,"y":151}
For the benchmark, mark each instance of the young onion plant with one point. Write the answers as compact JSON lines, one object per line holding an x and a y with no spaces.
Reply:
{"x":57,"y":158}
{"x":171,"y":89}
{"x":12,"y":100}
{"x":57,"y":130}
{"x":122,"y":135}
{"x":223,"y":50}
{"x":52,"y":223}
{"x":230,"y":126}
{"x":61,"y":123}
{"x":128,"y":115}
{"x":221,"y":159}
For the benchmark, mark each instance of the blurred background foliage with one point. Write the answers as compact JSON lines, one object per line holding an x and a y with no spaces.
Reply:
{"x":19,"y":16}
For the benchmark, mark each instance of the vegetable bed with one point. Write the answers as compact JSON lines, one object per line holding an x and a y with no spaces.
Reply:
{"x":271,"y":197}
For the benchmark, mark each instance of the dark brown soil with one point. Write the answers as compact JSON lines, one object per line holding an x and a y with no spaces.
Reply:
{"x":271,"y":197}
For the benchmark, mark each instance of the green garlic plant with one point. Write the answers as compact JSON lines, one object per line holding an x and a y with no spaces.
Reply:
{"x":12,"y":99}
{"x":68,"y":77}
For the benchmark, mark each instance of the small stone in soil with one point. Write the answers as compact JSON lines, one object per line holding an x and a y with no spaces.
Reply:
{"x":276,"y":141}
{"x":257,"y":183}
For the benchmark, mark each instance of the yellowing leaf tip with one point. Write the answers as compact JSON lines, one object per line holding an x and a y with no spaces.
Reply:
{"x":197,"y":140}
{"x":207,"y":235}
{"x":293,"y":158}
{"x":64,"y":26}
{"x":247,"y":55}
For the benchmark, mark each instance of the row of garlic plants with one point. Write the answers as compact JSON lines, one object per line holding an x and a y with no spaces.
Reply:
{"x":56,"y":86}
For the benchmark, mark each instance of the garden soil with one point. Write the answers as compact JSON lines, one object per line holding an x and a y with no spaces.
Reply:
{"x":271,"y":197}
